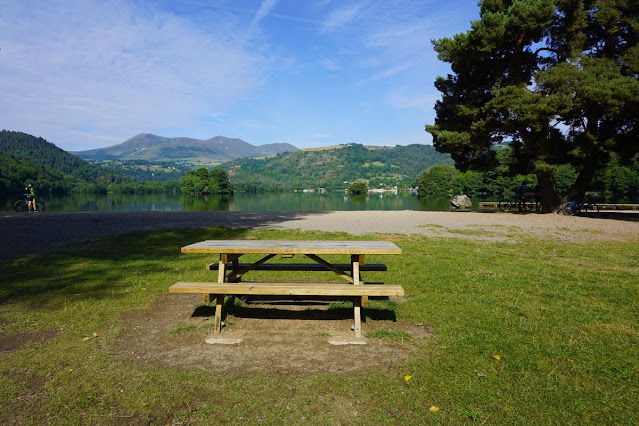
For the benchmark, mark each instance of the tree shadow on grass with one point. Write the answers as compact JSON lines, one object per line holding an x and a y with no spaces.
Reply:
{"x":25,"y":234}
{"x":107,"y":269}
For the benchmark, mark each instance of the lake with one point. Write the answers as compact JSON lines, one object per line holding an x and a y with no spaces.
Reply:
{"x":288,"y":201}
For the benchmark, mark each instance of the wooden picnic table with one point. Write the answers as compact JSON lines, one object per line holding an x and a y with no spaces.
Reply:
{"x":230,"y":251}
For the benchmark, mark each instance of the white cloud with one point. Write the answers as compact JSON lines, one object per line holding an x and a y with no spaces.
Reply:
{"x":111,"y":70}
{"x":265,"y":8}
{"x":386,"y":73}
{"x":338,"y":18}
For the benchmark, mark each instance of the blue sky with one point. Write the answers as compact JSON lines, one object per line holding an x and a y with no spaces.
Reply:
{"x":87,"y":74}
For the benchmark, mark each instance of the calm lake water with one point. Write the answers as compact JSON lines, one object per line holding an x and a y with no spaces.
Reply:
{"x":290,"y":201}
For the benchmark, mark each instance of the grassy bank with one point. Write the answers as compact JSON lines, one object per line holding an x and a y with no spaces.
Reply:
{"x":524,"y":331}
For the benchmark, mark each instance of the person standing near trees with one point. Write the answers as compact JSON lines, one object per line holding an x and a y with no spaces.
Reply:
{"x":31,"y":197}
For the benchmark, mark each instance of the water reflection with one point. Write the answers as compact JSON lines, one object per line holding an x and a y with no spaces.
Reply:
{"x":287,"y":201}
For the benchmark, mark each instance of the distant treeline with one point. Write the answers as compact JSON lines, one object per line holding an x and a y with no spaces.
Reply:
{"x":615,"y":183}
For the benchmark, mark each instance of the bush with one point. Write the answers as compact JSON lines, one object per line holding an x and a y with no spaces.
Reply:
{"x":358,"y":188}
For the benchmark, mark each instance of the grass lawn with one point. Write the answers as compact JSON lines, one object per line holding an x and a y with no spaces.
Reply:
{"x":524,"y":331}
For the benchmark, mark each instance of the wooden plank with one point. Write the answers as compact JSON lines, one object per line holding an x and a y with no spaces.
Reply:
{"x":303,"y":267}
{"x":292,"y":247}
{"x":288,"y":289}
{"x":330,"y":267}
{"x":233,"y":276}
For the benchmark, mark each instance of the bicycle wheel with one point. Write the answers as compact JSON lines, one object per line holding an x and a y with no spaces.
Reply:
{"x":528,"y":205}
{"x":20,"y":206}
{"x":568,"y":208}
{"x":504,"y":206}
{"x":40,"y":206}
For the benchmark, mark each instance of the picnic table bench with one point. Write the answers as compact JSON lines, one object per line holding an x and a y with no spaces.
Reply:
{"x":230,"y":283}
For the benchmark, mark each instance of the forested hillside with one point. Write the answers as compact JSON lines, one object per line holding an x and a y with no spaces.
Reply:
{"x":24,"y":157}
{"x":144,"y":170}
{"x":187,"y":151}
{"x":331,"y":167}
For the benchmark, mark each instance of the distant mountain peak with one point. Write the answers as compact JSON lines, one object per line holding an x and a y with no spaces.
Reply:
{"x":218,"y":149}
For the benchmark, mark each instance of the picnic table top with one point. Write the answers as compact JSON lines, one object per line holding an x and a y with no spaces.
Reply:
{"x":292,"y":247}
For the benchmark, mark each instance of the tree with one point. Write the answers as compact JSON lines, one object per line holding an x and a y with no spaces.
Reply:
{"x":358,"y":188}
{"x":201,"y":181}
{"x":556,"y":80}
{"x":219,"y":182}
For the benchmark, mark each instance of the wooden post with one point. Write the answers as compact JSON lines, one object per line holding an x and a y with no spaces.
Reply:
{"x":357,"y":278}
{"x":357,"y":303}
{"x":219,"y":304}
{"x":221,"y":269}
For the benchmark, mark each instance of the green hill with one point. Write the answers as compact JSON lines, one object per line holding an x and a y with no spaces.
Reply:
{"x":331,"y":167}
{"x":24,"y":157}
{"x":188,"y":151}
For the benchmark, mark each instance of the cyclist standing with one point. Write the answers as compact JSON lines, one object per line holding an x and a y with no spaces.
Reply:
{"x":31,"y":197}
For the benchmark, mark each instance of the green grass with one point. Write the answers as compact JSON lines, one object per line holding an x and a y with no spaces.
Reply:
{"x":183,"y":329}
{"x":563,"y":319}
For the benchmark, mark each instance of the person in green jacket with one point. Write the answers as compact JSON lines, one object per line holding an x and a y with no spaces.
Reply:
{"x":31,"y":197}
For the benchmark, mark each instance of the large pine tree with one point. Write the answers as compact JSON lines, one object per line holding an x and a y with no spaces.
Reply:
{"x":557,"y":79}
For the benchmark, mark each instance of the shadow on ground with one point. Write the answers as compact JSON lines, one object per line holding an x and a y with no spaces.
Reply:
{"x":26,"y":234}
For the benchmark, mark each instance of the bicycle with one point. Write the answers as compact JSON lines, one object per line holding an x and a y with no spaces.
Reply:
{"x":521,"y":205}
{"x":23,"y":205}
{"x":569,"y":208}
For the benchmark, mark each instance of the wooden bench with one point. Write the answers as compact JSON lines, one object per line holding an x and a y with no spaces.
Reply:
{"x":299,"y":267}
{"x":219,"y":290}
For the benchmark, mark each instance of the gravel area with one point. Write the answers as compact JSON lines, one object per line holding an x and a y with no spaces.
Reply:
{"x":31,"y":233}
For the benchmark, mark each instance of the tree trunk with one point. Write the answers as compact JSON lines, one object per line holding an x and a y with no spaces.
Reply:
{"x":550,"y":200}
{"x":578,"y":189}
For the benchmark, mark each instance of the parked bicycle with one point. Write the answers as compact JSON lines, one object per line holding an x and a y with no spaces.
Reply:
{"x":23,"y":206}
{"x":569,"y":208}
{"x":522,"y":205}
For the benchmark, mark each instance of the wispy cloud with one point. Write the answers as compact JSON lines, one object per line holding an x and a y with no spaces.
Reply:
{"x":386,"y":73}
{"x":339,"y":18}
{"x":265,"y":8}
{"x":112,"y":69}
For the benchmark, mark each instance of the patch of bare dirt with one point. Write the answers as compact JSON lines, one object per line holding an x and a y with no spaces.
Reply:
{"x":15,"y":341}
{"x":280,"y":337}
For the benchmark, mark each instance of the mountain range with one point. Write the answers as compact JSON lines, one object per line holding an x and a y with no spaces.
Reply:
{"x":146,"y":146}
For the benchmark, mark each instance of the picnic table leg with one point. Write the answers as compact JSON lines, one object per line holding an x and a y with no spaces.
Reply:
{"x":221,"y":271}
{"x":219,"y":304}
{"x":357,"y":303}
{"x":357,"y":276}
